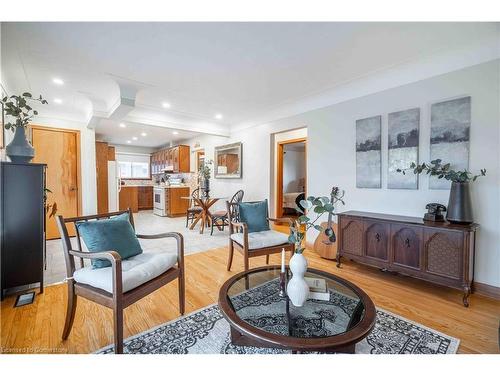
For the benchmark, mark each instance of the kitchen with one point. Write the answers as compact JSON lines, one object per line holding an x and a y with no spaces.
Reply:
{"x":129,"y":177}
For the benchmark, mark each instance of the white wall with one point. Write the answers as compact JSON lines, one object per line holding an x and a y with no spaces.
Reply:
{"x":331,"y":154}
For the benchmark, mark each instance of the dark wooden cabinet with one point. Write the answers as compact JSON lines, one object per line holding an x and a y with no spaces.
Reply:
{"x":145,"y":197}
{"x":174,"y":159}
{"x":22,"y":225}
{"x":442,"y":253}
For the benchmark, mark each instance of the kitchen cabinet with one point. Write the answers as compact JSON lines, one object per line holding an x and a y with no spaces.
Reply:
{"x":145,"y":197}
{"x":129,"y":197}
{"x":175,"y":159}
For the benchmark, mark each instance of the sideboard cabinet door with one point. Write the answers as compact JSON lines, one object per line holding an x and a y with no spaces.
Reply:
{"x":352,"y":236}
{"x":406,"y":246}
{"x":376,"y":239}
{"x":444,"y":253}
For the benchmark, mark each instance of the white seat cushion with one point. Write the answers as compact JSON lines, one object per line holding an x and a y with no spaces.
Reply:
{"x":135,"y":271}
{"x":258,"y":240}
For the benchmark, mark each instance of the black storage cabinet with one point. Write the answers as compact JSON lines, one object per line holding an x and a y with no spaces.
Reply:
{"x":22,"y":225}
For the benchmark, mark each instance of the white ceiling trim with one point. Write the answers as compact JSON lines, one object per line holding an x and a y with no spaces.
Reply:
{"x":385,"y":79}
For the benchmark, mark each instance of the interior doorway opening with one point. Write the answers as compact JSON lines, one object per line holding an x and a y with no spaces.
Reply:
{"x":291,"y":176}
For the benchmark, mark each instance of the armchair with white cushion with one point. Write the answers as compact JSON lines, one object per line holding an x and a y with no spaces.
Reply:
{"x":254,"y":243}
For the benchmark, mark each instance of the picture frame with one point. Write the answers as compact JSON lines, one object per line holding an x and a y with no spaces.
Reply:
{"x":228,"y":161}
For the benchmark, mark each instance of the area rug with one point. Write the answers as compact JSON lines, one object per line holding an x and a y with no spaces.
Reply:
{"x":207,"y":332}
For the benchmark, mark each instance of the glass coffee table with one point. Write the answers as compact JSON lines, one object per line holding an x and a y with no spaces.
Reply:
{"x":258,"y":316}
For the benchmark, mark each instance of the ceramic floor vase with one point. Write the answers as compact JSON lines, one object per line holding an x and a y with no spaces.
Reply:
{"x":460,"y":204}
{"x":20,"y":150}
{"x":297,"y":288}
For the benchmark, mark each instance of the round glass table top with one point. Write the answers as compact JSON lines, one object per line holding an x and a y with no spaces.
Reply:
{"x":335,"y":306}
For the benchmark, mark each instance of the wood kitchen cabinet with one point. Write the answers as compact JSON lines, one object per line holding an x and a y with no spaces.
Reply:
{"x":176,"y":159}
{"x":129,"y":197}
{"x":145,"y":197}
{"x":438,"y":252}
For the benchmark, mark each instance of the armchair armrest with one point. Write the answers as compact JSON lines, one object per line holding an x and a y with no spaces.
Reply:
{"x":116,"y":265}
{"x":180,"y":243}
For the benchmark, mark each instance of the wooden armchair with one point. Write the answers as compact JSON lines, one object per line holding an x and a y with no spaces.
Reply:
{"x":254,"y":244}
{"x":116,"y":297}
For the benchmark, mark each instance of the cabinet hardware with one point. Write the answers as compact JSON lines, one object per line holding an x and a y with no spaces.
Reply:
{"x":407,"y":242}
{"x":377,"y":236}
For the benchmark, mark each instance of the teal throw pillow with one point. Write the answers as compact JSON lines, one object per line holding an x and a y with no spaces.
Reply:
{"x":115,"y":233}
{"x":254,"y":214}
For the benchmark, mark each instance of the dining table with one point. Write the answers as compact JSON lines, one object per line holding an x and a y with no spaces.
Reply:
{"x":204,"y":216}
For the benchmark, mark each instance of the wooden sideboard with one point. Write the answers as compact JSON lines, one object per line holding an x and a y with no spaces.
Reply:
{"x":442,"y":253}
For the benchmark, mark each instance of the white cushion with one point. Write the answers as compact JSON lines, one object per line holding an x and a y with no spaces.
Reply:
{"x":135,"y":271}
{"x":258,"y":240}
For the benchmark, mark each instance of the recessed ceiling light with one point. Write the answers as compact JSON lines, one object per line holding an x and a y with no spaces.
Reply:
{"x":165,"y":105}
{"x":122,"y":125}
{"x":57,"y":101}
{"x":175,"y":133}
{"x":144,"y":134}
{"x":58,"y":81}
{"x":218,"y":116}
{"x":129,"y":141}
{"x":134,"y":138}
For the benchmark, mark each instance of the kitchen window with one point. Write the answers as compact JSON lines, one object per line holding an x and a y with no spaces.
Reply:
{"x":134,"y":166}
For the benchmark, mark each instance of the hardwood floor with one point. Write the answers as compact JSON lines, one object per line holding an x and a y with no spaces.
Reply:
{"x":37,"y":328}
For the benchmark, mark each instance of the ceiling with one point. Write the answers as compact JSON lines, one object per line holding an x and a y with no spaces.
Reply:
{"x":124,"y":72}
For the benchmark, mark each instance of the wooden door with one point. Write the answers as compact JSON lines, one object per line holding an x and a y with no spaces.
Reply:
{"x":352,"y":236}
{"x":101,"y":163}
{"x":60,"y":150}
{"x":376,"y":240}
{"x":444,"y":253}
{"x":175,"y":159}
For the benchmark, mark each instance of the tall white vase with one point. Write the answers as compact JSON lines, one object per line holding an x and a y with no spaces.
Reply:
{"x":297,"y":288}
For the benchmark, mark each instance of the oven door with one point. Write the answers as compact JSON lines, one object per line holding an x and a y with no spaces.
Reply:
{"x":158,"y":197}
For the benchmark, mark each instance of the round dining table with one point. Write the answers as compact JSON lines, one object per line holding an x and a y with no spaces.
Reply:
{"x":204,"y":215}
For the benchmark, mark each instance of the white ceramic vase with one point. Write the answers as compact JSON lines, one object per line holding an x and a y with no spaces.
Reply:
{"x":297,"y":288}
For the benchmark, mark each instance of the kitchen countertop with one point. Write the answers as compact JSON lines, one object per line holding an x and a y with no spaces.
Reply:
{"x":170,"y":187}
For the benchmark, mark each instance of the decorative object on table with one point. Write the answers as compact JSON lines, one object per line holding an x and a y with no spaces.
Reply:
{"x":450,"y":125}
{"x":17,"y":107}
{"x":459,"y":203}
{"x":317,"y":289}
{"x":297,"y":288}
{"x":403,"y":129}
{"x":228,"y":161}
{"x":368,"y":152}
{"x":204,"y":174}
{"x":435,"y":212}
{"x":282,"y":292}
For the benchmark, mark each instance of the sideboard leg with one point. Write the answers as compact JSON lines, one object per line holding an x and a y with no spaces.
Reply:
{"x":338,"y":261}
{"x":466,"y":297}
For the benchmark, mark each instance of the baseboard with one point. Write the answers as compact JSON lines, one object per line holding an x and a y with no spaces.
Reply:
{"x":486,"y":290}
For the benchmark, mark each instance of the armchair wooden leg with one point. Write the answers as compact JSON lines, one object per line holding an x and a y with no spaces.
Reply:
{"x":267,"y":259}
{"x":182,"y":293}
{"x":70,"y":310}
{"x":230,"y":259}
{"x":118,"y":328}
{"x":246,"y":260}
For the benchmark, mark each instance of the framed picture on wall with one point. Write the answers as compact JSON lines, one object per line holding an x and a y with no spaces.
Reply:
{"x":228,"y":161}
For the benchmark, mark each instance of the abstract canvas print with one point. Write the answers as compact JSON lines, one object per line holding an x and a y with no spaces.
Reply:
{"x":368,"y":153}
{"x":450,"y":125}
{"x":403,"y":148}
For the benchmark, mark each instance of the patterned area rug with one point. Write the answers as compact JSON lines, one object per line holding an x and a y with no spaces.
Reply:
{"x":207,"y":332}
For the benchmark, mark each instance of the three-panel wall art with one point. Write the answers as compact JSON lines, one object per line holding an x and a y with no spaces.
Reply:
{"x":449,"y":141}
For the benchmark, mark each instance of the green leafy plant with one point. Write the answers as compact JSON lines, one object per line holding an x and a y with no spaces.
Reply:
{"x":437,"y":168}
{"x":17,"y":107}
{"x":319,"y":206}
{"x":205,"y":171}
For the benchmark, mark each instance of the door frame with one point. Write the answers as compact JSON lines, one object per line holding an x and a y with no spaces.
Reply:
{"x":78,"y":157}
{"x":279,"y":172}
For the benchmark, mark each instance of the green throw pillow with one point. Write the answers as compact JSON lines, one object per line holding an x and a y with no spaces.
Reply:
{"x":115,"y":233}
{"x":254,"y":214}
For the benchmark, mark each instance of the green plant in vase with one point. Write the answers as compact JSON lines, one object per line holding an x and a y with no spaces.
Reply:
{"x":204,"y":173}
{"x":459,"y":203}
{"x":315,"y":207}
{"x":18,"y":108}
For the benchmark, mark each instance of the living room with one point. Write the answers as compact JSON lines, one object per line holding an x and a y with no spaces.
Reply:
{"x":162,"y":218}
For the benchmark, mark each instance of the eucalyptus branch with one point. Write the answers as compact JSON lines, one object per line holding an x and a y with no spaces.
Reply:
{"x":436,"y":168}
{"x":17,"y":106}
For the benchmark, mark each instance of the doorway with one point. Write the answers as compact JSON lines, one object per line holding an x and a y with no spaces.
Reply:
{"x":291,"y":176}
{"x":60,"y":150}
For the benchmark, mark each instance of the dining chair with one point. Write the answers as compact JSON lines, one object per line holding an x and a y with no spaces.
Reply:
{"x":254,"y":244}
{"x":220,"y":218}
{"x":194,"y":209}
{"x":125,"y":282}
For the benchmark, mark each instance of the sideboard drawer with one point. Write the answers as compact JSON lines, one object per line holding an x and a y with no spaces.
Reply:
{"x":376,"y":239}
